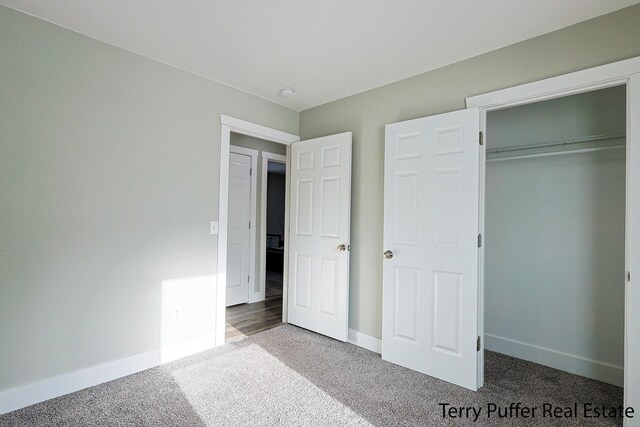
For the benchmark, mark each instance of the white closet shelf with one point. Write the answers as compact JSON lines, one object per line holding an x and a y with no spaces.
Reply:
{"x":580,"y":140}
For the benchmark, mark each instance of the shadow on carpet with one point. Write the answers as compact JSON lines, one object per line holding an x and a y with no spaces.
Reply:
{"x":289,"y":376}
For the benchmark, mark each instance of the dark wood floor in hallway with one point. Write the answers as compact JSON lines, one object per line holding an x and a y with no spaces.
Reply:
{"x":248,"y":319}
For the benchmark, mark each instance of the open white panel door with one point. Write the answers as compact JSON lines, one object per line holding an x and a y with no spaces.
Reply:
{"x":319,"y":230}
{"x":239,"y":237}
{"x":431,"y":226}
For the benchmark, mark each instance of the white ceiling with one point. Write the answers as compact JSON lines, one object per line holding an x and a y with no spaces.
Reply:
{"x":325,"y":49}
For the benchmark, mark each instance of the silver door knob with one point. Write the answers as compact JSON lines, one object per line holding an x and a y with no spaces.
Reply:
{"x":388,"y":254}
{"x":342,"y":247}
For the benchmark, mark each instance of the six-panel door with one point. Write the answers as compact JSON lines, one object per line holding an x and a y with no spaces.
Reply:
{"x":319,"y":230}
{"x":239,"y":238}
{"x":431,"y":225}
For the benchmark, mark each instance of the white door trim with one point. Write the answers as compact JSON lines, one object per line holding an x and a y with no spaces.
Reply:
{"x":568,"y":84}
{"x":266,"y":157}
{"x":280,"y":158}
{"x":252,"y":217}
{"x":228,"y":125}
{"x":242,"y":150}
{"x":623,"y":72}
{"x":258,"y":131}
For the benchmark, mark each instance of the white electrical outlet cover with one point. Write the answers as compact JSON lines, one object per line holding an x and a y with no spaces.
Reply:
{"x":176,"y":313}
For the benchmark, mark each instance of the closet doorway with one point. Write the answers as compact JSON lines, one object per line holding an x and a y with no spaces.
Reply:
{"x":434,"y":278}
{"x":554,"y":236}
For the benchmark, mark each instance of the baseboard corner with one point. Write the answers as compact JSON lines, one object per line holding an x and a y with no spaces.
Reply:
{"x":574,"y":364}
{"x":365,"y":341}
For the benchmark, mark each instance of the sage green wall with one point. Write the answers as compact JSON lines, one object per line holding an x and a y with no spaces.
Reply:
{"x":595,"y":42}
{"x":270,"y":147}
{"x":261,"y":145}
{"x":109,"y":166}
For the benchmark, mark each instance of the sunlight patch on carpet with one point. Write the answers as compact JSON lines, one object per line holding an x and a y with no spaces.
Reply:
{"x":249,"y":386}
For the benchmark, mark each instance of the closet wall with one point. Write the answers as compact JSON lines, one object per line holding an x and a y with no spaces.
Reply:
{"x":554,"y":237}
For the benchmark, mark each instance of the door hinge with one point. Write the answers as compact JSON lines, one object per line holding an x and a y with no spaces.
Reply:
{"x":481,"y":138}
{"x":628,"y":276}
{"x":247,"y":278}
{"x":478,"y":344}
{"x":479,"y":240}
{"x":249,"y":224}
{"x":250,"y":171}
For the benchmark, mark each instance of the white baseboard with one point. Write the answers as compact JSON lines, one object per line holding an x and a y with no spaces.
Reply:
{"x":578,"y":365}
{"x":184,"y":349}
{"x":365,"y":341}
{"x":20,"y":397}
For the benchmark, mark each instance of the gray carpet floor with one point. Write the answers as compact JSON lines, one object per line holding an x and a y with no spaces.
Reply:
{"x":289,"y":376}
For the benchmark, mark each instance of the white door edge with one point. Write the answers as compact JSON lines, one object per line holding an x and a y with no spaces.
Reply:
{"x":228,"y":125}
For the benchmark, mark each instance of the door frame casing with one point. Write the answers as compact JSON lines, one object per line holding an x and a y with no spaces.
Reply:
{"x":266,"y":158}
{"x":253,"y":179}
{"x":231,"y":124}
{"x":626,"y":72}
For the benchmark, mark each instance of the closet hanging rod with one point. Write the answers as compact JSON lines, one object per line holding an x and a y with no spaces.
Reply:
{"x":556,"y":153}
{"x":583,"y":139}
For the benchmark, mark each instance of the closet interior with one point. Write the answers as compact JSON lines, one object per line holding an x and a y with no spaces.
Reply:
{"x":555,"y":233}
